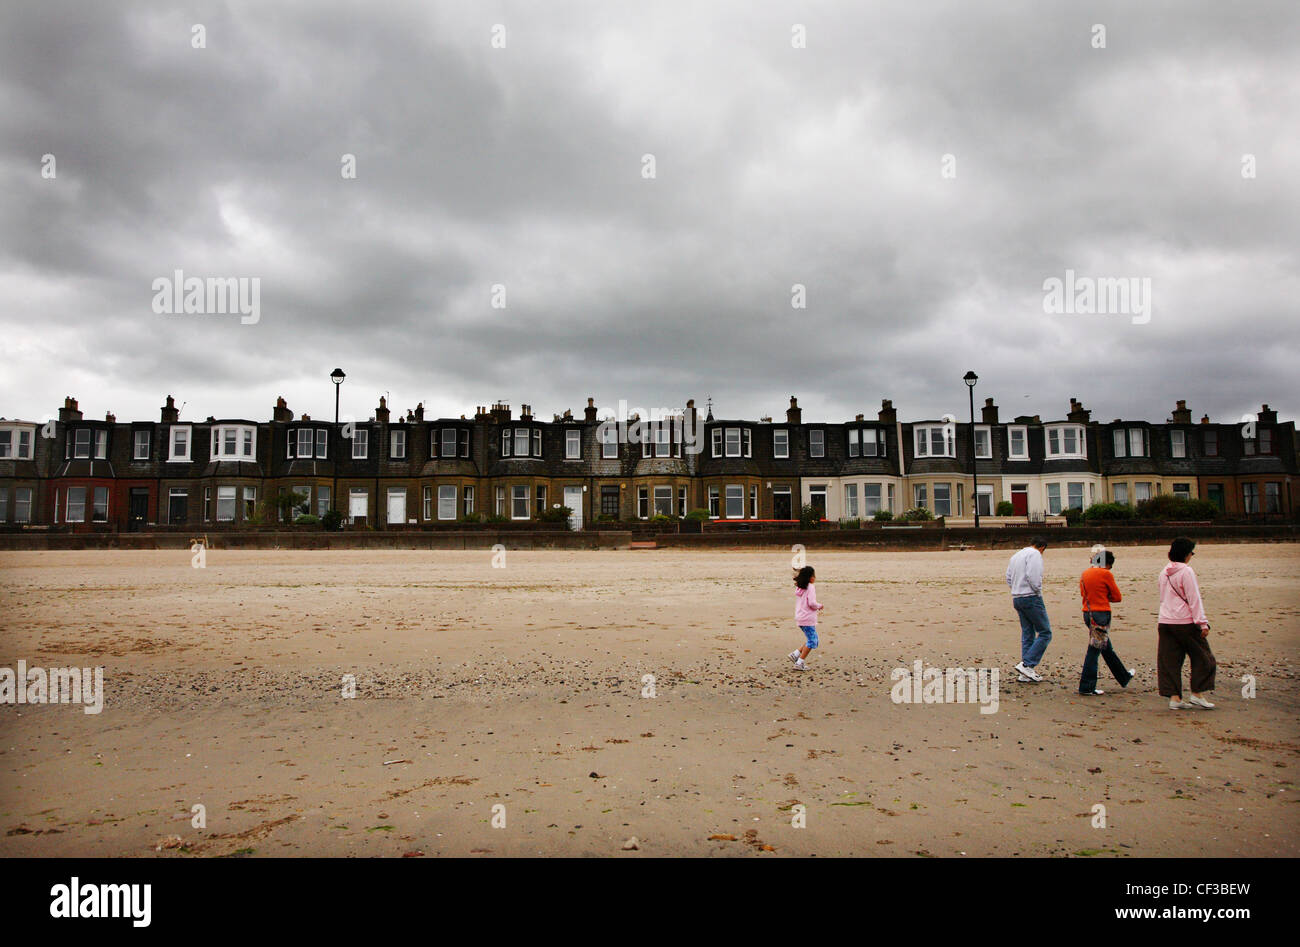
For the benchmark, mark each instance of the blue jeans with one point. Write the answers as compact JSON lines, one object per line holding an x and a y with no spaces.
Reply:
{"x":1035,"y":629}
{"x":810,"y":632}
{"x":1088,"y":679}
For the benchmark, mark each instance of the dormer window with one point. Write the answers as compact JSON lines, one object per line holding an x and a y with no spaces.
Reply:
{"x":781,"y":444}
{"x":450,"y":442}
{"x":234,"y":442}
{"x":521,"y":442}
{"x":179,"y":443}
{"x":360,"y":443}
{"x":866,"y":442}
{"x":81,"y":444}
{"x":933,"y":440}
{"x":397,"y":444}
{"x":1065,"y":441}
{"x":817,"y":443}
{"x":15,"y":443}
{"x":307,"y":442}
{"x":1017,"y":442}
{"x":572,"y":444}
{"x":609,"y":444}
{"x":141,"y":449}
{"x":983,"y":444}
{"x":1130,"y":442}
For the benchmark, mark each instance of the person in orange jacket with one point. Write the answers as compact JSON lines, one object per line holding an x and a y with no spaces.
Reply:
{"x":1098,"y":588}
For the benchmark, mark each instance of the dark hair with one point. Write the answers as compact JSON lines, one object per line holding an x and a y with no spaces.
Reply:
{"x":1180,"y":550}
{"x":1038,"y":542}
{"x":1110,"y":558}
{"x":804,"y":576}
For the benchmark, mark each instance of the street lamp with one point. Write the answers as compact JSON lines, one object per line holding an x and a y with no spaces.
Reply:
{"x":970,"y":378}
{"x":337,"y":377}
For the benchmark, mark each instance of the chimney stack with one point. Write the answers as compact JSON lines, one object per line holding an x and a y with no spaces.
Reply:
{"x":381,"y":412}
{"x":793,"y":414}
{"x":1182,"y":414}
{"x":525,"y":412}
{"x":69,"y":410}
{"x":860,"y":417}
{"x":590,"y":413}
{"x":887,"y":414}
{"x":989,"y":413}
{"x":500,"y":411}
{"x":1266,"y":415}
{"x":110,"y":418}
{"x":1205,"y":419}
{"x":1078,"y":413}
{"x":281,"y":414}
{"x":419,"y":411}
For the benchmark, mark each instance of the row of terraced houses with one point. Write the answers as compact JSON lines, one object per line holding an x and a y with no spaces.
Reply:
{"x":414,"y":472}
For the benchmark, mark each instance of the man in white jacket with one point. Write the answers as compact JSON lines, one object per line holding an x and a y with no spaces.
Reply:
{"x":1025,"y":579}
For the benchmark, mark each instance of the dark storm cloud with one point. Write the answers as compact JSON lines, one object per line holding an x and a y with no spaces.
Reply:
{"x":775,"y":166}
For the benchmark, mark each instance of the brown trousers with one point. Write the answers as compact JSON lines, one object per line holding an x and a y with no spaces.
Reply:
{"x":1176,"y":643}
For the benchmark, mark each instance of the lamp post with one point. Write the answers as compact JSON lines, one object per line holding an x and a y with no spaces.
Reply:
{"x":337,"y":377}
{"x":970,"y":378}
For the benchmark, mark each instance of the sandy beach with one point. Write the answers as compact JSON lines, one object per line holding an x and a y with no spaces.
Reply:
{"x":525,"y":687}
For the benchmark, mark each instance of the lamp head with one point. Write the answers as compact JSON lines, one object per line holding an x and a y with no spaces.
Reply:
{"x":337,"y":376}
{"x":970,"y":378}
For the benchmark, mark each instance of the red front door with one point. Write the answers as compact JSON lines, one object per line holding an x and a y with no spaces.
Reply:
{"x":1020,"y":500}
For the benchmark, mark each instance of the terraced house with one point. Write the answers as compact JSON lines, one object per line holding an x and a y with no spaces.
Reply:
{"x":395,"y":471}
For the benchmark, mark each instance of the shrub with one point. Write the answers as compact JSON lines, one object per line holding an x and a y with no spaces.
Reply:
{"x":1166,"y":506}
{"x":883,"y":516}
{"x":606,"y":518}
{"x":287,"y":501}
{"x":1108,"y":511}
{"x":809,"y":518}
{"x":555,"y":514}
{"x":701,"y":516}
{"x":916,"y":514}
{"x":661,"y":518}
{"x":307,"y":519}
{"x":332,"y":520}
{"x":476,"y":516}
{"x":1006,"y":508}
{"x":1073,"y":515}
{"x":496,"y":518}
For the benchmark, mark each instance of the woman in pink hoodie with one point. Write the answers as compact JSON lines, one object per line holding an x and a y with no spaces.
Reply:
{"x":806,"y":608}
{"x":1183,"y":630}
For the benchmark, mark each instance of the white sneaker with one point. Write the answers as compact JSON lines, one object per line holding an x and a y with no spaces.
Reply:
{"x":1176,"y":704}
{"x":794,"y":656}
{"x":1026,"y":680}
{"x":1200,"y":702}
{"x":1028,"y":672}
{"x":799,"y":665}
{"x":1092,"y":693}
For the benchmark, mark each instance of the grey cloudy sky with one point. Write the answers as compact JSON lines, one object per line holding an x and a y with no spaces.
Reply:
{"x":775,"y":165}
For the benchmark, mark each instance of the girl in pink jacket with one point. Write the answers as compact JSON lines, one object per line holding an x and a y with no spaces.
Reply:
{"x":1183,"y":630}
{"x":806,"y":608}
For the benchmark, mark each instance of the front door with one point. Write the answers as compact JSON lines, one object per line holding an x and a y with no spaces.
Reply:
{"x":781,"y":505}
{"x":817,"y":499}
{"x":573,"y":500}
{"x":139,"y":509}
{"x":1020,"y":499}
{"x":357,"y":505}
{"x":396,"y":507}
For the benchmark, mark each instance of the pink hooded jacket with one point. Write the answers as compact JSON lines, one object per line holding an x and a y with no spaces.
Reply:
{"x":1180,"y":596}
{"x":806,"y":605}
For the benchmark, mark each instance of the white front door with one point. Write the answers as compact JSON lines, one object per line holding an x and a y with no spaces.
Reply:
{"x":397,"y":505}
{"x":357,"y":505}
{"x":573,"y":500}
